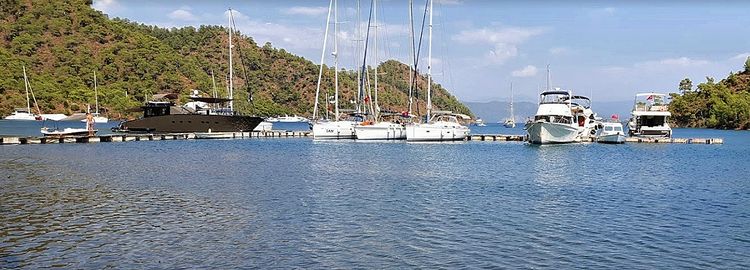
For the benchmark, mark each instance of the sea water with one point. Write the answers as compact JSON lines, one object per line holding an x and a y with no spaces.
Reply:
{"x":298,"y":203}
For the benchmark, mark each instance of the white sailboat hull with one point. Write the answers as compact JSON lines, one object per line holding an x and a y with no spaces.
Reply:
{"x":380,"y":131}
{"x":334,"y":130}
{"x":98,"y":119}
{"x":438,"y":131}
{"x":264,"y":126}
{"x":53,"y":116}
{"x":22,"y":116}
{"x":547,"y":133}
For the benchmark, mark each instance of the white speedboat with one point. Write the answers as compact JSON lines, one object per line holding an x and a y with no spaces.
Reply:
{"x":650,"y":116}
{"x":334,"y":130}
{"x":553,"y":122}
{"x":66,"y":132}
{"x":610,"y":132}
{"x":380,"y":131}
{"x":442,"y":127}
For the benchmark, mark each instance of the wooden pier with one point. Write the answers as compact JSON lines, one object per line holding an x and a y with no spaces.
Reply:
{"x":151,"y":137}
{"x":291,"y":134}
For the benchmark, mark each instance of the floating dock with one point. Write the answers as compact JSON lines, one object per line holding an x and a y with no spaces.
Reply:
{"x":522,"y":138}
{"x":291,"y":134}
{"x":152,"y":137}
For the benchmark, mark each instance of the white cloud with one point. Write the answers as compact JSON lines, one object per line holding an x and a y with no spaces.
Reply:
{"x":280,"y":35}
{"x":603,"y":12}
{"x":106,"y":6}
{"x":558,"y":50}
{"x":670,"y":63}
{"x":306,"y":11}
{"x":742,"y":56}
{"x":527,"y":71}
{"x":504,"y":40}
{"x":449,"y":2}
{"x":182,"y":14}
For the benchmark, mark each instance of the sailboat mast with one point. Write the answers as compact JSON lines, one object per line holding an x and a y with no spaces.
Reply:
{"x":511,"y":103}
{"x":358,"y":32}
{"x":322,"y":60}
{"x":96,"y":95}
{"x":376,"y":111}
{"x":429,"y":66}
{"x":231,"y":71}
{"x":26,"y":85}
{"x":336,"y":55}
{"x":548,"y":78}
{"x":411,"y":33}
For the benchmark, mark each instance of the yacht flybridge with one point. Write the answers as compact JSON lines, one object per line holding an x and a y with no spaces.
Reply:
{"x":650,"y":116}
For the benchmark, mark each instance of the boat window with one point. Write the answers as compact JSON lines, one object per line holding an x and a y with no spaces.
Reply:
{"x":618,"y":128}
{"x":608,"y":128}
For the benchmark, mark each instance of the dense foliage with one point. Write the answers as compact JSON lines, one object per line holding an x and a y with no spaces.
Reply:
{"x":724,"y":105}
{"x":62,"y":43}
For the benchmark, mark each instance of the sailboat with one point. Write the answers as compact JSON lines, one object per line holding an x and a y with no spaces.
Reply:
{"x":24,"y":114}
{"x":335,"y":128}
{"x":443,"y":125}
{"x":378,"y":129}
{"x":511,"y":121}
{"x":97,"y":117}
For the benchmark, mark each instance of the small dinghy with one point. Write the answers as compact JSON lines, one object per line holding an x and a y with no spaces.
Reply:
{"x":610,"y":132}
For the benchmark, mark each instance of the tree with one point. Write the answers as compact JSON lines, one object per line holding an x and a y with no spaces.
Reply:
{"x":686,"y":85}
{"x":747,"y":64}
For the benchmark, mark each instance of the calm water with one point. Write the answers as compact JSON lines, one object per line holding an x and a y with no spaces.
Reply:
{"x":296,"y":203}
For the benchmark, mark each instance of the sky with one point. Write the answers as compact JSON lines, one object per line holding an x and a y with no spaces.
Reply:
{"x":608,"y":50}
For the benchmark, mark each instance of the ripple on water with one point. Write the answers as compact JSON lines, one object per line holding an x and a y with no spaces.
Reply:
{"x":301,"y":204}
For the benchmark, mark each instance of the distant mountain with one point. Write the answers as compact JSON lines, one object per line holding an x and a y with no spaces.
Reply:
{"x":496,"y":111}
{"x":62,"y":43}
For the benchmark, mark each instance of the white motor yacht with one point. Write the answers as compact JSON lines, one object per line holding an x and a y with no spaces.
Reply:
{"x":553,"y":122}
{"x":650,"y":116}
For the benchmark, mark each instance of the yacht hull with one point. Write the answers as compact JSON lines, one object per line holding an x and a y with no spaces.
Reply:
{"x":611,"y":138}
{"x":334,"y":130}
{"x":549,"y":133}
{"x":380,"y":131}
{"x":436,"y":132}
{"x":176,"y":123}
{"x":21,"y":117}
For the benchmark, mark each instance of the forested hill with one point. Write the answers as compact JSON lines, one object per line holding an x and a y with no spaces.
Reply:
{"x":62,"y":43}
{"x":724,"y":104}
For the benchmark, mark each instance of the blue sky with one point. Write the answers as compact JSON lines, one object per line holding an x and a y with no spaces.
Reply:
{"x":607,"y":49}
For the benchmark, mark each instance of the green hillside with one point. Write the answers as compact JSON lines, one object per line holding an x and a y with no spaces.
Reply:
{"x":724,"y":104}
{"x":63,"y":43}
